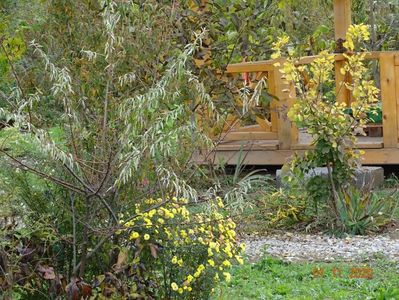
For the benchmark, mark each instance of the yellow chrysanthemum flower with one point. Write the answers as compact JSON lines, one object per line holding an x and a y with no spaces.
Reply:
{"x":226,"y":263}
{"x":174,"y":286}
{"x":239,"y":259}
{"x":134,"y":235}
{"x":146,"y":236}
{"x":227,"y":276}
{"x":180,"y":262}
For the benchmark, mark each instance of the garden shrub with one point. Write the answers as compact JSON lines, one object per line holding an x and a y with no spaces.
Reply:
{"x":318,"y":191}
{"x":184,"y":254}
{"x":362,"y":212}
{"x":324,"y":118}
{"x":120,"y":127}
{"x":28,"y":256}
{"x":284,"y":208}
{"x":164,"y":252}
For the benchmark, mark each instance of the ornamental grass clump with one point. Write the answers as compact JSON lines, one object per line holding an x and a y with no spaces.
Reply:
{"x":183,"y":254}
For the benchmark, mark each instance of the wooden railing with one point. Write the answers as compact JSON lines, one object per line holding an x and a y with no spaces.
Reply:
{"x":279,"y":127}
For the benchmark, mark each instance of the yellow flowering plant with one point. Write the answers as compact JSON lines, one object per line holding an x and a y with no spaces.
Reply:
{"x":182,"y":254}
{"x":328,"y":121}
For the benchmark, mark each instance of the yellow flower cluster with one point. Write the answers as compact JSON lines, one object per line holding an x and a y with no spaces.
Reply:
{"x":278,"y":46}
{"x":356,"y":33}
{"x":170,"y":225}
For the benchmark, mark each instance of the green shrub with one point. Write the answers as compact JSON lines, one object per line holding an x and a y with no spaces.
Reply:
{"x":361,"y":212}
{"x":164,"y":250}
{"x":318,"y":191}
{"x":283,"y":208}
{"x":326,"y":119}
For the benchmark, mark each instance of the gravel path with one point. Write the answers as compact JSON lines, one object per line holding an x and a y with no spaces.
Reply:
{"x":303,"y":247}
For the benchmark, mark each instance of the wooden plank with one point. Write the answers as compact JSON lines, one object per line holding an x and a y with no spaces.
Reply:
{"x":257,"y":157}
{"x":264,"y":124}
{"x":285,"y":92}
{"x":373,"y":55}
{"x":253,"y":145}
{"x":271,"y":84}
{"x":342,"y":21}
{"x":365,"y":145}
{"x":284,"y":126}
{"x":294,"y":129}
{"x":258,"y":66}
{"x":342,"y":17}
{"x":397,"y":90}
{"x":255,"y":135}
{"x":360,"y":145}
{"x":250,"y":128}
{"x":279,"y":157}
{"x":381,"y":156}
{"x":268,"y":65}
{"x":389,"y":101}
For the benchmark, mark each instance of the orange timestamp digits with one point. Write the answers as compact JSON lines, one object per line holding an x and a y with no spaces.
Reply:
{"x":355,"y":272}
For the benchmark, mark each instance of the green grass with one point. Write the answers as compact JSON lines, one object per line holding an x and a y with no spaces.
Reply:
{"x":274,"y":279}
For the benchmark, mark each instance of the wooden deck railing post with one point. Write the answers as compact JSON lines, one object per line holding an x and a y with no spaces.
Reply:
{"x":342,"y":20}
{"x":271,"y":84}
{"x":285,"y":92}
{"x":389,"y":101}
{"x":396,"y":59}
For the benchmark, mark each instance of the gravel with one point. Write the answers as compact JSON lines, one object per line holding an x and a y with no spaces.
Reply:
{"x":296,"y":247}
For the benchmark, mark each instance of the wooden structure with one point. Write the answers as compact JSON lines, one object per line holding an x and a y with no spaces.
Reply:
{"x":274,"y":139}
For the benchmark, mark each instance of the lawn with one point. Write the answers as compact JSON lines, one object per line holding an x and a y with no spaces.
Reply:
{"x":274,"y":279}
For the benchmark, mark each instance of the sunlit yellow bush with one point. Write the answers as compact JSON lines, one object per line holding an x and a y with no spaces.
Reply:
{"x":330,"y":121}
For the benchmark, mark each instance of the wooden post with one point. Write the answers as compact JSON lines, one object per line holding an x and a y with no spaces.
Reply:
{"x":389,"y":101}
{"x":271,"y":84}
{"x":285,"y":92}
{"x":342,"y":20}
{"x":397,"y":90}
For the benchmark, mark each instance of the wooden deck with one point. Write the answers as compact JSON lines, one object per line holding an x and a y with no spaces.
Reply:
{"x":274,"y":138}
{"x":382,"y":156}
{"x":267,"y":152}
